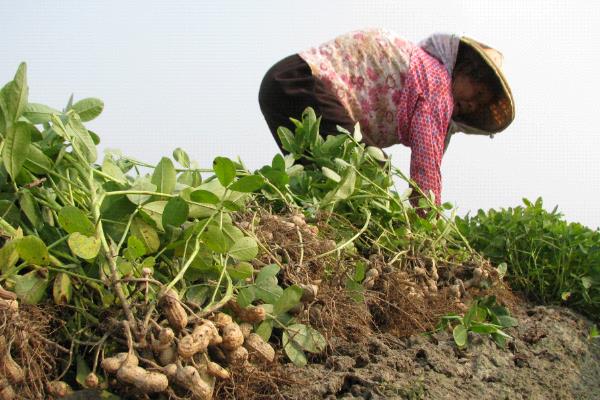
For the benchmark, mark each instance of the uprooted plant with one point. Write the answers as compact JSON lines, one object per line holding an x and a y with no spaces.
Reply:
{"x":167,"y":277}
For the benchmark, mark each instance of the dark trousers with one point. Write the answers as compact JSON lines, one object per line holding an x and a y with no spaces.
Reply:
{"x":288,"y":88}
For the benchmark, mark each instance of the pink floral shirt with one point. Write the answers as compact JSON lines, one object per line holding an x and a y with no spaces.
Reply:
{"x":398,"y":93}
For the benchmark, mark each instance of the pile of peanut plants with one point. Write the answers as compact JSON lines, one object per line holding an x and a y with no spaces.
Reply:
{"x":155,"y":280}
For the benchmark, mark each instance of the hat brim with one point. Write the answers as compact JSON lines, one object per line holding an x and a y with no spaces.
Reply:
{"x":500,"y":113}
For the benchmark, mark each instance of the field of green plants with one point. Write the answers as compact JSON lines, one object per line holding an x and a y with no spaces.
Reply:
{"x":174,"y":280}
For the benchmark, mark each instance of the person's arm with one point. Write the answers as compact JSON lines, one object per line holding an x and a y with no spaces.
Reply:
{"x":427,"y":134}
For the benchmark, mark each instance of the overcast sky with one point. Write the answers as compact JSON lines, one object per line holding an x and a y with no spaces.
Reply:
{"x":186,"y":74}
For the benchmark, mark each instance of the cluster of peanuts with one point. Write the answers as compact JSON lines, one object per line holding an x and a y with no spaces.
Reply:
{"x":181,"y":352}
{"x":181,"y":348}
{"x":287,"y":232}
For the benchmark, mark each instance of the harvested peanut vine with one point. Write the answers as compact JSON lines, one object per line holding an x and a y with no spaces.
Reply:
{"x":167,"y":280}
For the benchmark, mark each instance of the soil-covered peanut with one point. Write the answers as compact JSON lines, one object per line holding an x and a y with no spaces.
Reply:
{"x":58,"y":389}
{"x":232,"y":336}
{"x":190,"y":379}
{"x":237,"y":356}
{"x":246,"y":329}
{"x":145,"y":381}
{"x":8,"y":367}
{"x":251,"y":314}
{"x":91,"y":380}
{"x":173,"y":310}
{"x":256,"y":345}
{"x":221,"y":319}
{"x":112,"y":364}
{"x":168,"y":354}
{"x":217,"y":371}
{"x":202,"y":335}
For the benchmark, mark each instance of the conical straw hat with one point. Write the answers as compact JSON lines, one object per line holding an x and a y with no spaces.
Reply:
{"x":500,"y":113}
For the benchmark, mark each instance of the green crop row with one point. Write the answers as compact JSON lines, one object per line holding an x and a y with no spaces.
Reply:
{"x":549,"y":259}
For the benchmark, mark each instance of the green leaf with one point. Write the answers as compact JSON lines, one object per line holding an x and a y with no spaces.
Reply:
{"x":355,"y":290}
{"x":72,"y":220}
{"x":267,"y":272}
{"x":146,"y":233}
{"x":376,"y":153}
{"x":215,"y":239}
{"x":289,"y":299}
{"x":241,"y":271}
{"x":141,"y":185}
{"x":86,"y":247}
{"x":38,"y":113}
{"x":80,"y":138}
{"x":14,"y":95}
{"x":30,"y":208}
{"x":16,"y":147}
{"x":265,"y":329}
{"x":111,"y":169}
{"x":176,"y":212}
{"x":31,"y":287}
{"x":135,"y":247}
{"x":268,"y":291}
{"x":232,"y":206}
{"x":278,"y":163}
{"x":244,"y":249}
{"x":331,"y":174}
{"x":460,"y":335}
{"x":346,"y":187}
{"x":286,"y":137}
{"x":357,"y":133}
{"x":33,"y":250}
{"x":10,"y":213}
{"x":88,"y":108}
{"x":181,"y":157}
{"x":155,"y":210}
{"x":507,"y":321}
{"x":8,"y":256}
{"x":293,"y":351}
{"x":62,"y":290}
{"x":502,"y":269}
{"x":586,"y":282}
{"x":224,"y":169}
{"x":248,"y":184}
{"x":246,"y":296}
{"x":307,"y":338}
{"x":37,"y":162}
{"x":164,"y":176}
{"x":197,"y":295}
{"x":204,"y":196}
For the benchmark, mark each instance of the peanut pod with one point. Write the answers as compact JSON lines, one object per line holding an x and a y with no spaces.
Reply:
{"x":199,"y":339}
{"x":255,"y":344}
{"x":58,"y":389}
{"x":146,"y":381}
{"x":232,"y":336}
{"x":190,"y":379}
{"x":8,"y":367}
{"x":173,"y":310}
{"x":112,"y":364}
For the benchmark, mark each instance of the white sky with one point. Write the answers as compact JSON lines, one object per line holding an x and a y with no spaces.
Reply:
{"x":186,"y":74}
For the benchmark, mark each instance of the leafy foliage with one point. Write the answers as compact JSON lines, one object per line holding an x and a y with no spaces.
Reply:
{"x":548,"y":258}
{"x":484,"y":317}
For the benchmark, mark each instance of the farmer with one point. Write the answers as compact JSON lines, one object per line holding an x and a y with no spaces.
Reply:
{"x":399,"y":92}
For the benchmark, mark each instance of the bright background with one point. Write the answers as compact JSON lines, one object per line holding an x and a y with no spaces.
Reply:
{"x":186,"y":74}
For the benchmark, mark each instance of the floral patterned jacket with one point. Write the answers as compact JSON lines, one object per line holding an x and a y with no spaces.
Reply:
{"x":397,"y":91}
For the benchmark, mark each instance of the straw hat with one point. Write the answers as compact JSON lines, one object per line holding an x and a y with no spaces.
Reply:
{"x":500,"y":113}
